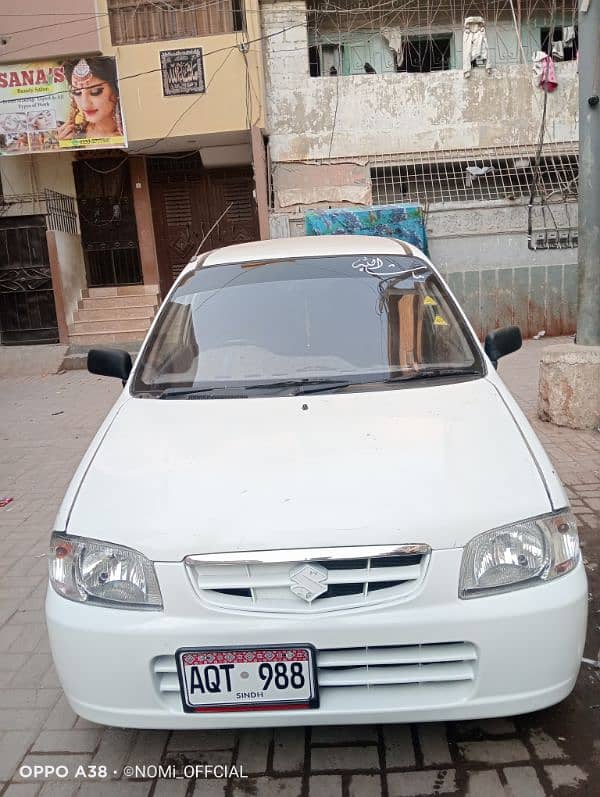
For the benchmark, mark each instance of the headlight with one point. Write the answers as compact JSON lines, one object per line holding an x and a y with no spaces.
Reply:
{"x":97,"y":572}
{"x":519,"y":555}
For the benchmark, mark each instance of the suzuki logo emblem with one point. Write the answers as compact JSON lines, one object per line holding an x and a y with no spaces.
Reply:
{"x":309,"y":581}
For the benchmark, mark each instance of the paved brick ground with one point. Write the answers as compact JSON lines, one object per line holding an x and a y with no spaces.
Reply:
{"x":45,"y":426}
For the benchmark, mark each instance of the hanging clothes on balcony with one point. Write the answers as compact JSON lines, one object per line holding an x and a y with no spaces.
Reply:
{"x":543,"y":69}
{"x":475,"y":45}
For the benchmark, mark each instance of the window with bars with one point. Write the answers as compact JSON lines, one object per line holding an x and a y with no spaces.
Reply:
{"x":137,"y":21}
{"x":565,"y":42}
{"x":357,"y":53}
{"x":475,"y":179}
{"x":425,"y":54}
{"x":325,"y":59}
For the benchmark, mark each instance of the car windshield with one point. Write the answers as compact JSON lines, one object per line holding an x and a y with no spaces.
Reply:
{"x":342,"y":320}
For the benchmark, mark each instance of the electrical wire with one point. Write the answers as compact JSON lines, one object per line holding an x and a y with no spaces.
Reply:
{"x":53,"y":41}
{"x":243,"y":47}
{"x":51,"y":25}
{"x":536,"y":183}
{"x":159,"y":69}
{"x":353,"y":17}
{"x":185,"y":112}
{"x":337,"y":100}
{"x":126,"y":9}
{"x":105,"y":171}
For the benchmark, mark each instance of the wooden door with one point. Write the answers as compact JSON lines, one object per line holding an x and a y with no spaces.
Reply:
{"x":187,"y":202}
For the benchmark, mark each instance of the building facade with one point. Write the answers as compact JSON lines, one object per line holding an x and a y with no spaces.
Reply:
{"x":368,"y":109}
{"x":438,"y":105}
{"x":92,"y":237}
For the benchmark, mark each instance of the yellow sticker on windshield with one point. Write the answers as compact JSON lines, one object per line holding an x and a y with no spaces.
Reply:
{"x":429,"y":301}
{"x":439,"y":321}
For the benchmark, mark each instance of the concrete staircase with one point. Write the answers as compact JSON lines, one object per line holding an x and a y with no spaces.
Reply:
{"x":114,"y":315}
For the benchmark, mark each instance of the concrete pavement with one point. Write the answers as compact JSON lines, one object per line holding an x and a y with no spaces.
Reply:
{"x":46,"y":424}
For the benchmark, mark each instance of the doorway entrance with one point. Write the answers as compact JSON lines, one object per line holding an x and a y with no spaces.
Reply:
{"x":107,"y":219}
{"x":27,"y":309}
{"x":187,"y":201}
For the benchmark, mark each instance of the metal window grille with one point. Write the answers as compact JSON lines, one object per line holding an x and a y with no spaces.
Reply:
{"x":134,"y":21}
{"x":497,"y":173}
{"x":61,"y":212}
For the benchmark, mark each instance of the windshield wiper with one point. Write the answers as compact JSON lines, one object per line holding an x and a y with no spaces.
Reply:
{"x":201,"y":392}
{"x":304,"y":386}
{"x":432,"y":373}
{"x":322,"y":386}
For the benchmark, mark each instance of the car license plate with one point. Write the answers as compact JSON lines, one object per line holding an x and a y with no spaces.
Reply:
{"x":247,"y":679}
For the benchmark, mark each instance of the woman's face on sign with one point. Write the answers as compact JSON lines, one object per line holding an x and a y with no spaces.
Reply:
{"x":94,"y":97}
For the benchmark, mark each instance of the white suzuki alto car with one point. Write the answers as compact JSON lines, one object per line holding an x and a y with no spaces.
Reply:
{"x":314,"y":502}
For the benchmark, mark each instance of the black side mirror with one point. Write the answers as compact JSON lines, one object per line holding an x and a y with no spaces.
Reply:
{"x":502,"y":341}
{"x":109,"y":362}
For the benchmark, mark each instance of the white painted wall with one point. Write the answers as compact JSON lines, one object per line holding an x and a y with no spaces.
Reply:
{"x":72,"y":271}
{"x":30,"y":174}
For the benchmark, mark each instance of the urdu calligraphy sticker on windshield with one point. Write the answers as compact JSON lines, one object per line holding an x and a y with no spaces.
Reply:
{"x":378,"y":268}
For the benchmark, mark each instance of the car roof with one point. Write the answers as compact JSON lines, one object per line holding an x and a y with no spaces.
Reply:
{"x":309,"y":246}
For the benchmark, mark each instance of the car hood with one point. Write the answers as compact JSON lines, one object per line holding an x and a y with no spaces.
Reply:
{"x":433,"y":464}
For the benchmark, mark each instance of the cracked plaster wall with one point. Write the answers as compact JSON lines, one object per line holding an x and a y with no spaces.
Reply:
{"x":399,"y":112}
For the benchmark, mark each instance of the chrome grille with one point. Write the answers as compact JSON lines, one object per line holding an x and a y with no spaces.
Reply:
{"x":343,"y":578}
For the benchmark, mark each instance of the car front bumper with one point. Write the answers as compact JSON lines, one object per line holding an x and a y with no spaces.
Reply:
{"x":117,"y":666}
